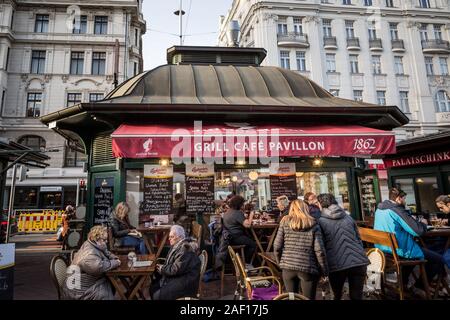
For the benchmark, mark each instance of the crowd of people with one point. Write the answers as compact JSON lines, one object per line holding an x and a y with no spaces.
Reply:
{"x":316,"y":240}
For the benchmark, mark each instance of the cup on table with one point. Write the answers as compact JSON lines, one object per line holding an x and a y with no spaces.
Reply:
{"x":147,"y":224}
{"x":132,"y":258}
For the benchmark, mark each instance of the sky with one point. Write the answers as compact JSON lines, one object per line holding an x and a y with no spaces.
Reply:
{"x":200,"y":25}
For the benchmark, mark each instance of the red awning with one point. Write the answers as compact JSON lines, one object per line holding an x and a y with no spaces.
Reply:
{"x":245,"y":140}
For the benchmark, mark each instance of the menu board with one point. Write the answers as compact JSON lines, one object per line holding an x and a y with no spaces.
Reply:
{"x":282,"y":182}
{"x":199,"y":188}
{"x":7,"y":271}
{"x":158,"y":193}
{"x":368,"y":194}
{"x":103,"y":200}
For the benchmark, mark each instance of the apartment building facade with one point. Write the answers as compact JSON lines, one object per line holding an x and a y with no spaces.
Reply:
{"x":388,"y":52}
{"x":55,"y":54}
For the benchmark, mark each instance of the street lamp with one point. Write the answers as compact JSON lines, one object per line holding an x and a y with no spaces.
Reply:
{"x":180,"y":13}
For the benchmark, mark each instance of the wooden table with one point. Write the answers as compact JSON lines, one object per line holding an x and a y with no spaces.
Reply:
{"x":129,"y":281}
{"x":264,"y":226}
{"x":444,"y":233}
{"x":149,"y":232}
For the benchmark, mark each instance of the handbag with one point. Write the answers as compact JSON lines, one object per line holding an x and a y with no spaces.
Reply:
{"x":265,"y":292}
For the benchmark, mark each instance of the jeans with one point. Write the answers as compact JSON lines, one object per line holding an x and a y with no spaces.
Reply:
{"x":434,"y":266}
{"x":250,"y":245}
{"x":137,"y":243}
{"x":293,"y":280}
{"x":356,"y":277}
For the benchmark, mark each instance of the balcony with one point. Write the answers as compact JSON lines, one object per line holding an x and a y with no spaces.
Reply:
{"x":375,"y":45}
{"x":398,"y":45}
{"x":353,"y":44}
{"x":330,"y":43}
{"x":435,"y":46}
{"x":292,"y":39}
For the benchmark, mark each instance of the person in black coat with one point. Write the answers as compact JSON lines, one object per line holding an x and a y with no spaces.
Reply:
{"x":179,"y":276}
{"x":313,"y":205}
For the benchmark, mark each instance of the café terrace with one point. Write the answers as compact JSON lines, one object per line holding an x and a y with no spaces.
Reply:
{"x":215,"y":103}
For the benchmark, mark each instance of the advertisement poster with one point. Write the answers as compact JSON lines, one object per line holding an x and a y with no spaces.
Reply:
{"x":7,"y":252}
{"x":158,"y":193}
{"x":199,"y":188}
{"x":282,"y":181}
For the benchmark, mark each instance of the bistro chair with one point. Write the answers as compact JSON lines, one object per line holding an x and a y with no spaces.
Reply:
{"x":375,"y":272}
{"x":58,"y":272}
{"x":72,"y":255}
{"x":223,"y":271}
{"x":290,"y":296}
{"x":117,"y":249}
{"x":187,"y":298}
{"x":204,"y":263}
{"x":252,"y":283}
{"x":197,"y":232}
{"x":393,"y":262}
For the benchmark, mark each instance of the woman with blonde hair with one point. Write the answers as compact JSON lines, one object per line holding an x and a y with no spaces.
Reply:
{"x":86,"y":278}
{"x":300,"y":250}
{"x":124,"y":232}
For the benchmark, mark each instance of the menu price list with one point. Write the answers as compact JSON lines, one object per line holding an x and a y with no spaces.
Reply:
{"x":199,"y":194}
{"x":157,"y":196}
{"x":103,"y":200}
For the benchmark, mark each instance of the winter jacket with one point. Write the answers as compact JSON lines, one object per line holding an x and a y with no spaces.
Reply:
{"x":180,"y":272}
{"x":314,"y":211}
{"x":300,"y":250}
{"x":120,"y":228}
{"x":343,"y":244}
{"x":394,"y":218}
{"x":92,"y":261}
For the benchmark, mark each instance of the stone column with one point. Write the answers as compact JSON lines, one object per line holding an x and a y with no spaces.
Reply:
{"x":316,"y":53}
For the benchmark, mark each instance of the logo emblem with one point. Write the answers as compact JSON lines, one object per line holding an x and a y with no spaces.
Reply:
{"x":148,"y":145}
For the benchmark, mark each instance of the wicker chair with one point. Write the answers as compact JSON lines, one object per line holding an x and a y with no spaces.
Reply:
{"x":204,"y":262}
{"x":290,"y":296}
{"x":375,"y":272}
{"x":58,"y":269}
{"x":197,"y":232}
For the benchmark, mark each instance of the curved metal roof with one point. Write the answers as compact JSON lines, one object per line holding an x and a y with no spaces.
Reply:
{"x":225,"y":85}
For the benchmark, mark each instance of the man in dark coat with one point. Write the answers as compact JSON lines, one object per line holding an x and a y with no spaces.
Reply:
{"x":180,"y":274}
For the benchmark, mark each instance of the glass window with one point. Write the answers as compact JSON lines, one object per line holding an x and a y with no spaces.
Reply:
{"x":95,"y":97}
{"x":393,"y":31}
{"x":376,"y":64}
{"x":424,"y":3}
{"x":404,"y":101}
{"x":335,"y":92}
{"x":398,"y":65}
{"x":443,"y":64}
{"x":73,"y":98}
{"x":372,"y":31}
{"x":389,"y":3}
{"x":51,"y":199}
{"x":298,"y":28}
{"x":25,"y":197}
{"x":327,"y":31}
{"x":38,"y":61}
{"x":331,"y":62}
{"x":80,"y":25}
{"x":368,"y":3}
{"x":427,"y":191}
{"x":74,"y":156}
{"x":442,"y":101}
{"x":357,"y":95}
{"x":429,"y":65}
{"x":41,"y":23}
{"x":282,"y":28}
{"x":100,"y":24}
{"x":424,"y":32}
{"x":347,"y":2}
{"x":407,"y":185}
{"x":98,"y":63}
{"x":33,"y":142}
{"x":34,"y":104}
{"x":325,"y":182}
{"x":349,"y":30}
{"x":7,"y":59}
{"x":76,"y":62}
{"x":284,"y":60}
{"x":437,"y":31}
{"x":354,"y":68}
{"x":381,"y":98}
{"x":301,"y":60}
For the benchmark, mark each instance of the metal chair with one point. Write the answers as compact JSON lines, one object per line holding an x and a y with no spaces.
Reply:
{"x":204,"y":263}
{"x":58,"y":272}
{"x":290,"y":296}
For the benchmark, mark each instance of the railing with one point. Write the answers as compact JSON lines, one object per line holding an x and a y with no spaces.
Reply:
{"x":329,"y":42}
{"x":353,"y":42}
{"x":38,"y":220}
{"x":435,"y":44}
{"x":375,"y":44}
{"x":293,"y":37}
{"x":397,"y":44}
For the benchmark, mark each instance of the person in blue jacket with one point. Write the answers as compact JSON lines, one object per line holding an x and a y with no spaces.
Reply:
{"x":392,"y":216}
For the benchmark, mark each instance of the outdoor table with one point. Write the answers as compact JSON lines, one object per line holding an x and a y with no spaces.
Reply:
{"x":443,"y":232}
{"x":148,"y":232}
{"x":264,"y":226}
{"x":128,"y":280}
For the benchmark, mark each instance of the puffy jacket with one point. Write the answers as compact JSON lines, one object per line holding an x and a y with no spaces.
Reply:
{"x":120,"y":228}
{"x":392,"y":217}
{"x":342,"y":241}
{"x":300,"y":250}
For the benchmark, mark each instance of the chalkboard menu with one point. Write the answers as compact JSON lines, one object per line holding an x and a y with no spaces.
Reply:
{"x":368,"y":194}
{"x":7,"y":271}
{"x":199,"y":189}
{"x":158,"y":193}
{"x":282,"y":181}
{"x":103,"y":200}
